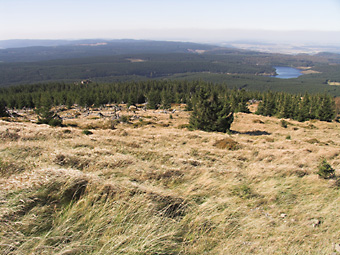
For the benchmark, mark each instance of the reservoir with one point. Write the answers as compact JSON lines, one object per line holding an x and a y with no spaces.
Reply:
{"x":284,"y":72}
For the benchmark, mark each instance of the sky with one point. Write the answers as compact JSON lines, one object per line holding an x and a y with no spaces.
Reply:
{"x":191,"y":20}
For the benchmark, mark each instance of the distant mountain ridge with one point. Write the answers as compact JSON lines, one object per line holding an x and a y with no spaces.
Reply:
{"x":22,"y":43}
{"x":41,"y":50}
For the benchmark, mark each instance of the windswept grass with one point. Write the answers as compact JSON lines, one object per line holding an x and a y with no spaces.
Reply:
{"x":149,"y":189}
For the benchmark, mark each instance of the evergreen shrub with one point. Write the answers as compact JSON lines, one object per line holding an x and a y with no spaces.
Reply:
{"x":325,"y":170}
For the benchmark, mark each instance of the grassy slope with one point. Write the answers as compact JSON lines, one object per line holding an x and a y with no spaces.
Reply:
{"x":153,"y":188}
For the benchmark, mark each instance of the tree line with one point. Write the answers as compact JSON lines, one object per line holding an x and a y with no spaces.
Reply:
{"x":301,"y":108}
{"x":161,"y":94}
{"x":155,"y":93}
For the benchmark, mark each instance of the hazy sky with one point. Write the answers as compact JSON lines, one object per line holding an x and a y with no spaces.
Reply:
{"x":159,"y":19}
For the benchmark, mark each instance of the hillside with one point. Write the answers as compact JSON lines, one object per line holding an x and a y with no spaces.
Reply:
{"x":150,"y":186}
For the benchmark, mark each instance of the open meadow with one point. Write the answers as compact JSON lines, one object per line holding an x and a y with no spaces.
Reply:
{"x":151,"y":186}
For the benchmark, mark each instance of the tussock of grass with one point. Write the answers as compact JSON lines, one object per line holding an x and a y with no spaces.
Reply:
{"x":312,"y":140}
{"x":8,"y":168}
{"x":227,"y":143}
{"x":8,"y":135}
{"x":243,"y":191}
{"x":142,"y":123}
{"x":71,"y":161}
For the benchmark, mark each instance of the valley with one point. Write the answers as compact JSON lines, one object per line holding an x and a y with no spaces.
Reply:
{"x":133,"y":60}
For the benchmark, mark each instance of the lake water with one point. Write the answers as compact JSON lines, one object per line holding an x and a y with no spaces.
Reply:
{"x":284,"y":72}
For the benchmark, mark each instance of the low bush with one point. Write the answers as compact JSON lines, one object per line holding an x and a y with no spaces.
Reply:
{"x":55,"y":122}
{"x":125,"y":119}
{"x":283,"y":123}
{"x":325,"y":170}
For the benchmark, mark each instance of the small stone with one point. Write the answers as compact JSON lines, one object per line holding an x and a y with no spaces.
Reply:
{"x":315,"y":223}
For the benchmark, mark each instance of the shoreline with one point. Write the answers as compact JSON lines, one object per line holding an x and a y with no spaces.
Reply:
{"x":307,"y":70}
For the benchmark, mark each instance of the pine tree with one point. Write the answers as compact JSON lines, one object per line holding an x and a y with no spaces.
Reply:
{"x":225,"y":118}
{"x":242,"y":105}
{"x":295,"y":107}
{"x":326,"y":109}
{"x":69,"y":102}
{"x":267,"y":107}
{"x":132,"y":99}
{"x":154,"y":99}
{"x":189,"y":105}
{"x":270,"y":108}
{"x":209,"y":114}
{"x":45,"y":115}
{"x":166,"y":99}
{"x":140,"y":98}
{"x":304,"y":108}
{"x":3,"y":109}
{"x":314,"y":102}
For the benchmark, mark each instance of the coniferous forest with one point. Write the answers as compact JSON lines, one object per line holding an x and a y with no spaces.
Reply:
{"x":163,"y":73}
{"x":161,"y":94}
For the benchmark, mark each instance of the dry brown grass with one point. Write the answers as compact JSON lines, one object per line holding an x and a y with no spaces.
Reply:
{"x":153,"y":188}
{"x":227,"y":143}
